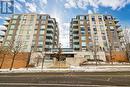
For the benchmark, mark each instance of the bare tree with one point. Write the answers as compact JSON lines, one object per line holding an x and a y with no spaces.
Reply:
{"x":127,"y":41}
{"x":59,"y":56}
{"x":43,"y":57}
{"x":29,"y":57}
{"x":15,"y":48}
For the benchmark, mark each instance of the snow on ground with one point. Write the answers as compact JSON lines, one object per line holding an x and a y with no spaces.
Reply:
{"x":90,"y":68}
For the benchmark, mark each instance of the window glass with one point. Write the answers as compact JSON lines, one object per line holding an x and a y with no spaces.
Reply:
{"x":83,"y":38}
{"x":9,"y":38}
{"x":83,"y":43}
{"x":14,"y":21}
{"x":81,"y":17}
{"x":12,"y":26}
{"x":81,"y":22}
{"x":10,"y":31}
{"x":44,"y":17}
{"x":15,"y":16}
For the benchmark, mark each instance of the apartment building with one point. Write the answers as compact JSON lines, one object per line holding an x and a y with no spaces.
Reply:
{"x":96,"y":33}
{"x":35,"y":32}
{"x":114,"y":33}
{"x":88,"y":32}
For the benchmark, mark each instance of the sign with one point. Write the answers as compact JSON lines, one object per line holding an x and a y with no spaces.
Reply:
{"x":7,"y":7}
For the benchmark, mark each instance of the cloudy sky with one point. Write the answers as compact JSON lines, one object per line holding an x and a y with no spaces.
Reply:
{"x":64,"y":10}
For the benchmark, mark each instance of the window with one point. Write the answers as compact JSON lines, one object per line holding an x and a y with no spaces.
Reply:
{"x":28,"y":31}
{"x":110,"y":22}
{"x":90,"y":44}
{"x":12,"y":26}
{"x":101,"y":27}
{"x":40,"y":38}
{"x":100,"y":18}
{"x":32,"y":17}
{"x":111,"y":27}
{"x":81,"y":17}
{"x":24,"y":21}
{"x":35,"y":32}
{"x":94,"y":29}
{"x":9,"y":38}
{"x":83,"y":44}
{"x":27,"y":37}
{"x":81,"y":22}
{"x":15,"y":16}
{"x":95,"y":37}
{"x":25,"y":17}
{"x":10,"y":32}
{"x":43,"y":27}
{"x":38,"y":16}
{"x":40,"y":43}
{"x":104,"y":37}
{"x":93,"y":18}
{"x":25,"y":47}
{"x":87,"y":18}
{"x":14,"y":22}
{"x":90,"y":38}
{"x":44,"y":17}
{"x":82,"y":30}
{"x":102,"y":32}
{"x":41,"y":31}
{"x":83,"y":38}
{"x":39,"y":49}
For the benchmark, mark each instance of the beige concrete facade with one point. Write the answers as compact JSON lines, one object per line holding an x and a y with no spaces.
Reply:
{"x":36,"y":32}
{"x":74,"y":60}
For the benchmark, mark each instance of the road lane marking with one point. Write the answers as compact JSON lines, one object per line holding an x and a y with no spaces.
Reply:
{"x":73,"y":85}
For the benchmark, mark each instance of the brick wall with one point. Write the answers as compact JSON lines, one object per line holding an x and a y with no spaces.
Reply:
{"x":20,"y":60}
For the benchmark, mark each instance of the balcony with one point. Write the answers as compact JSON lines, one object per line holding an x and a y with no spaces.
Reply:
{"x":75,"y":40}
{"x":119,"y":30}
{"x":48,"y":46}
{"x":50,"y":25}
{"x":74,"y":25}
{"x":75,"y":29}
{"x":49,"y":40}
{"x":76,"y":46}
{"x":118,"y":25}
{"x":74,"y":35}
{"x":120,"y":35}
{"x":49,"y":36}
{"x":116,"y":20}
{"x":121,"y":40}
{"x":51,"y":20}
{"x":6,"y":24}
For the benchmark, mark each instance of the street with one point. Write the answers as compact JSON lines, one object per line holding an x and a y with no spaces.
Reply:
{"x":67,"y":79}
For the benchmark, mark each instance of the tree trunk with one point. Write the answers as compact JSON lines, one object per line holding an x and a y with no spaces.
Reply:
{"x":28,"y":60}
{"x":2,"y":61}
{"x":42,"y":62}
{"x":12,"y":62}
{"x":37,"y":61}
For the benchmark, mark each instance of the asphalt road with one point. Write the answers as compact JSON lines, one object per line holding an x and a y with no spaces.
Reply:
{"x":69,"y":79}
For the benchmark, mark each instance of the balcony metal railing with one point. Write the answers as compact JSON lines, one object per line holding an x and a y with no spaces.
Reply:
{"x":74,"y":40}
{"x":119,"y":30}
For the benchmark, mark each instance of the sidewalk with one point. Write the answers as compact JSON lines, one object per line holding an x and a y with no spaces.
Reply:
{"x":90,"y":68}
